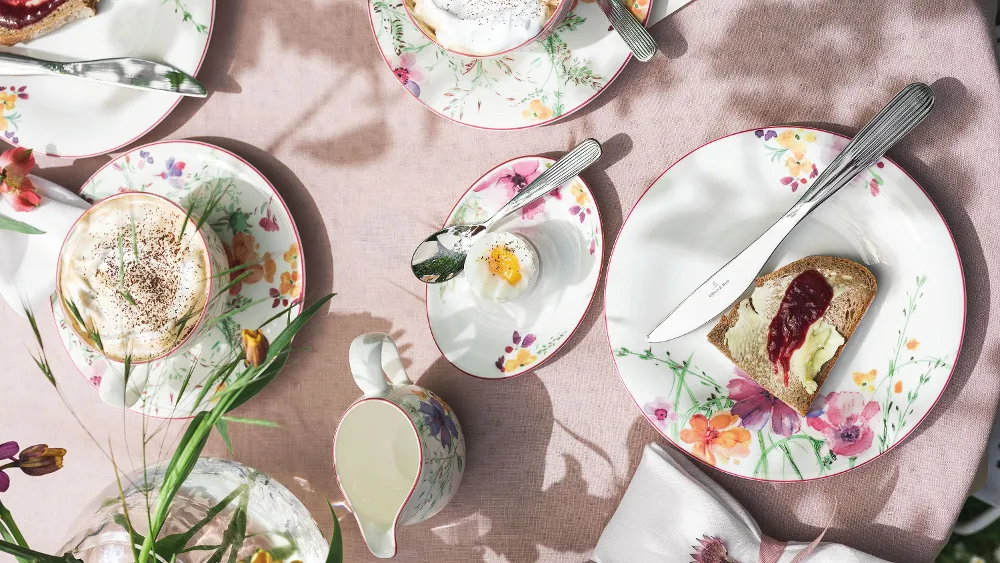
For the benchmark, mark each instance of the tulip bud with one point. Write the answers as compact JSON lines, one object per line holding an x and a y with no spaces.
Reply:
{"x":40,"y":460}
{"x":255,"y":347}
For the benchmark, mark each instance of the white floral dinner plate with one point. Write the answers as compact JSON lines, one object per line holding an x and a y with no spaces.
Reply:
{"x":78,"y":118}
{"x":704,"y":210}
{"x":498,"y":341}
{"x":254,"y":225}
{"x":538,"y":84}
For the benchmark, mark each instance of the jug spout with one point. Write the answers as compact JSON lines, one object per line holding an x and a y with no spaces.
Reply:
{"x":380,"y":537}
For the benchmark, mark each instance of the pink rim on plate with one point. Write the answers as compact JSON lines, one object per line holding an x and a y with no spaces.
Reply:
{"x":279,"y":235}
{"x":450,"y":306}
{"x":858,"y":379}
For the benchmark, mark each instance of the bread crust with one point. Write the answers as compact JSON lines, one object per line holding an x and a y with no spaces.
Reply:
{"x":795,"y":395}
{"x":71,"y":10}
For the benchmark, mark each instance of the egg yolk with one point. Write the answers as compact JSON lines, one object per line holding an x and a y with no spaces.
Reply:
{"x":503,"y":262}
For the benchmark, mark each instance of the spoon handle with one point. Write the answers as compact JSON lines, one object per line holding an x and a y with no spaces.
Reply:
{"x":567,"y":167}
{"x":639,"y":41}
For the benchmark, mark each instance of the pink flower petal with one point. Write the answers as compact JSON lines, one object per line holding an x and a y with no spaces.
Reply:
{"x":8,"y":450}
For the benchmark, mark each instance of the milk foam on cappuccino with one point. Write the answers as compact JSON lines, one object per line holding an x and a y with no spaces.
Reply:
{"x":483,"y":27}
{"x":144,"y":303}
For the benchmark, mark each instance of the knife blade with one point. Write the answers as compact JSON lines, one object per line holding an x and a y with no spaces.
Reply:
{"x":906,"y":110}
{"x":128,"y":72}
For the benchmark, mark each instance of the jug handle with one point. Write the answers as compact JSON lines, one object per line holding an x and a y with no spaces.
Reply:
{"x":376,"y":364}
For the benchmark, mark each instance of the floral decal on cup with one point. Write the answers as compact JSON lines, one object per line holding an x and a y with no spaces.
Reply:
{"x":174,"y":171}
{"x":441,"y":425}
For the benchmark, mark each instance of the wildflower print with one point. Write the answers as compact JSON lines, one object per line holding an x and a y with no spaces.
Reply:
{"x":660,"y":412}
{"x":717,"y":440}
{"x":865,"y":379}
{"x":408,"y":74}
{"x":172,"y":174}
{"x":842,"y":417}
{"x":756,"y":407}
{"x":537,"y":111}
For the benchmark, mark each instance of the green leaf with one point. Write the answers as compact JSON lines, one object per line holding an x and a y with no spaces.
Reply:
{"x":336,"y":554}
{"x":175,"y":544}
{"x":223,"y":429}
{"x":250,"y":421}
{"x":8,"y":224}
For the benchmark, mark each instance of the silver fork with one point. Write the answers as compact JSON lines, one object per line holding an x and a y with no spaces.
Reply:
{"x":639,"y":41}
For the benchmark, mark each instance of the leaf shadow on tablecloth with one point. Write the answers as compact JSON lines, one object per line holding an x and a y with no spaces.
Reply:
{"x":506,"y":508}
{"x":217,"y":71}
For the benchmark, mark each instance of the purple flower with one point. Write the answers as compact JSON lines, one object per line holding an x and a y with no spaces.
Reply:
{"x":528,"y":340}
{"x":513,"y":179}
{"x":517,"y":337}
{"x":660,"y":412}
{"x":710,"y":549}
{"x":755,"y":406}
{"x":439,"y":422}
{"x":146,"y":155}
{"x":174,"y":171}
{"x":842,"y":417}
{"x":8,"y":450}
{"x":407,"y":73}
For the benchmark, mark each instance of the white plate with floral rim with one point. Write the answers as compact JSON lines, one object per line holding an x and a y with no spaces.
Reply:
{"x":538,"y":84}
{"x":564,"y":226}
{"x":704,"y":210}
{"x":79,"y":118}
{"x":254,"y":225}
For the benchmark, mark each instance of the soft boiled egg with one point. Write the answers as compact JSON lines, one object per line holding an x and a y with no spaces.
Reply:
{"x":501,"y":267}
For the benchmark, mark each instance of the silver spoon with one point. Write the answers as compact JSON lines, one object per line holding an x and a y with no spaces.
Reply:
{"x":639,"y":41}
{"x":441,"y":256}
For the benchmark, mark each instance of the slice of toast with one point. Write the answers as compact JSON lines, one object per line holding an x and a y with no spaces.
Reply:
{"x":69,"y":10}
{"x":853,"y":290}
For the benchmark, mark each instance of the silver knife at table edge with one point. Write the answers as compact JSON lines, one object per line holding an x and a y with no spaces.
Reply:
{"x":716,"y":294}
{"x":128,"y":72}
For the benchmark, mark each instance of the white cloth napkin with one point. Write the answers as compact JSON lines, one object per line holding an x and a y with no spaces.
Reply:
{"x":28,"y":262}
{"x":670,"y":503}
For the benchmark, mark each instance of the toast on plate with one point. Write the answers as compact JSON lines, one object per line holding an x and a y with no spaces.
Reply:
{"x":789,"y":333}
{"x":24,"y":20}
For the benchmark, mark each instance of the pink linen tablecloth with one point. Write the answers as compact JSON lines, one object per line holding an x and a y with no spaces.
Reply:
{"x":300,"y":91}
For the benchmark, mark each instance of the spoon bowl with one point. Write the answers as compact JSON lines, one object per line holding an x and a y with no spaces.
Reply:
{"x":441,"y":256}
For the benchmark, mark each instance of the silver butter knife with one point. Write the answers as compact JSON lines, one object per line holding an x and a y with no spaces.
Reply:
{"x":128,"y":72}
{"x":639,"y":41}
{"x":910,"y":106}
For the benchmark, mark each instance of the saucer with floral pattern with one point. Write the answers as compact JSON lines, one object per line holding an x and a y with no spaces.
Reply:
{"x":502,"y":340}
{"x":537,"y":84}
{"x":254,"y":225}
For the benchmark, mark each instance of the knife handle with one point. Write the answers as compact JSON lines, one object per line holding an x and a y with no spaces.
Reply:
{"x":20,"y":65}
{"x":900,"y":116}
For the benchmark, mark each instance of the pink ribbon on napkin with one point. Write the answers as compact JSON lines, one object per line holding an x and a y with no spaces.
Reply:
{"x":771,"y":549}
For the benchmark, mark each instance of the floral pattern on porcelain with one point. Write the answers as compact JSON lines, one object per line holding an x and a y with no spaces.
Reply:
{"x":740,"y":422}
{"x":531,"y":86}
{"x":443,"y":448}
{"x":563,"y":223}
{"x":9,"y":115}
{"x":253,"y":227}
{"x":793,"y":147}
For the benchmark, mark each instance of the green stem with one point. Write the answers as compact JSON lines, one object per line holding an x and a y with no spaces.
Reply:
{"x":23,"y":553}
{"x":8,"y":519}
{"x":762,"y":463}
{"x":788,"y":454}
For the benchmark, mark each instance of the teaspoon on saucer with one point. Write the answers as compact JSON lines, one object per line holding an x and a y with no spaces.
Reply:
{"x":441,"y":256}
